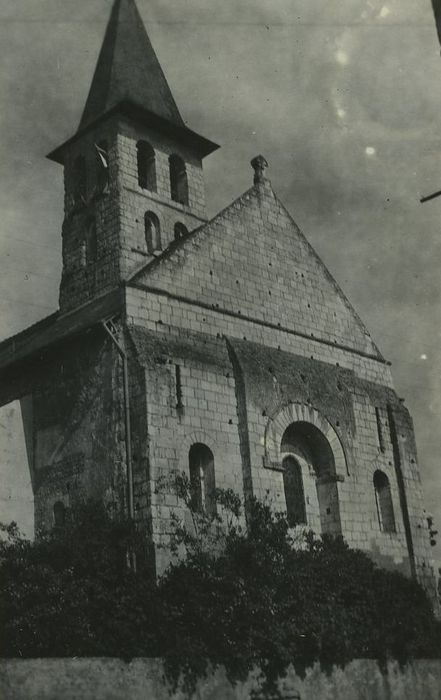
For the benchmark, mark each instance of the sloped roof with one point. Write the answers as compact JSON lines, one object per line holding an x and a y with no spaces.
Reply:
{"x":57,"y":327}
{"x":129,"y":80}
{"x":128,"y":70}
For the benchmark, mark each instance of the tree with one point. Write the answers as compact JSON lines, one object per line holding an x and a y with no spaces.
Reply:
{"x":242,"y":593}
{"x":71,"y":593}
{"x":264,"y":600}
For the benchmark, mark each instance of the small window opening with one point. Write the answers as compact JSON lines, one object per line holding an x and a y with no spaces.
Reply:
{"x":59,"y":514}
{"x":383,"y":499}
{"x":180,"y":231}
{"x":178,"y":377}
{"x":152,"y":232}
{"x":178,"y":180}
{"x":294,"y":492}
{"x":379,"y":429}
{"x":80,"y":184}
{"x":146,"y":166}
{"x":202,"y":479}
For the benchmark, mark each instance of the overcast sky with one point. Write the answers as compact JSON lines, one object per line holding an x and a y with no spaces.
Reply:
{"x":342,"y":97}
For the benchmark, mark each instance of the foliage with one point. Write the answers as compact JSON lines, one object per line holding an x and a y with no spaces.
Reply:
{"x":207,"y":533}
{"x":265,"y":602}
{"x":241,"y":594}
{"x":71,"y":593}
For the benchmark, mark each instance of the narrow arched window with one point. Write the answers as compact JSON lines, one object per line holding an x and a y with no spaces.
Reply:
{"x":180,"y":230}
{"x":178,"y":179}
{"x":91,"y":242}
{"x":294,"y":493}
{"x":59,"y":514}
{"x":146,"y":166}
{"x":152,"y":232}
{"x":80,"y":180}
{"x":383,"y":497}
{"x":202,"y":479}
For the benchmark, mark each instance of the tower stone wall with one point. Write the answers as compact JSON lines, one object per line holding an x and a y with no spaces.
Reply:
{"x":91,"y":267}
{"x":135,"y":201}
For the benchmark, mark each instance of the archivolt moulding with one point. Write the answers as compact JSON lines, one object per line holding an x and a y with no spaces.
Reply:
{"x":294,"y":413}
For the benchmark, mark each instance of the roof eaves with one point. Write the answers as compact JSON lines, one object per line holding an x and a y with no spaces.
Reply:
{"x":201,"y":144}
{"x":58,"y":327}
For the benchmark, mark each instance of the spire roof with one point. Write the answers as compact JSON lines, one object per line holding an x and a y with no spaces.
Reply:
{"x":128,"y":79}
{"x":128,"y":70}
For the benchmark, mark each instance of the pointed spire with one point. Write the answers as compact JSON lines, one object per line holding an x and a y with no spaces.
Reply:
{"x":128,"y":70}
{"x":129,"y":78}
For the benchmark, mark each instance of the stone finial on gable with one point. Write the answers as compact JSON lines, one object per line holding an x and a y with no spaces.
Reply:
{"x":259,"y":164}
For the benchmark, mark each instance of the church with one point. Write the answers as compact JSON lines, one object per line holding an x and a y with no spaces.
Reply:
{"x":222,"y":348}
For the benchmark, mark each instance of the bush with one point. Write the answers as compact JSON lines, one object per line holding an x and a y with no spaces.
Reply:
{"x":71,"y":593}
{"x":267,"y":603}
{"x":244,"y":595}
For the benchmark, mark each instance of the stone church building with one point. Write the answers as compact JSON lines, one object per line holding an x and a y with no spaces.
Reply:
{"x":223,"y":348}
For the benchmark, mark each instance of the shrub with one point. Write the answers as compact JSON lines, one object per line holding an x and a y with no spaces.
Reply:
{"x":264,"y":602}
{"x":71,"y":593}
{"x":244,"y":595}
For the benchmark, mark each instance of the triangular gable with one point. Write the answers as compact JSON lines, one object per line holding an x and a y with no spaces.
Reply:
{"x":252,"y":259}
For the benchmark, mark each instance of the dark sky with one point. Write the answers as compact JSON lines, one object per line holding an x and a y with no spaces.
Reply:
{"x":341,"y":96}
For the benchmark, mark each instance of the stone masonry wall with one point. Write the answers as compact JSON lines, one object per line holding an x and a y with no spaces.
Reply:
{"x":76,"y":425}
{"x":274,"y":380}
{"x":113,"y":679}
{"x":231,"y":416}
{"x":157,"y":308}
{"x":253,"y":261}
{"x":136,"y":201}
{"x":84,"y":277}
{"x":250,"y":276}
{"x":117,"y":204}
{"x":205,"y":412}
{"x":405,"y":458}
{"x":16,"y":493}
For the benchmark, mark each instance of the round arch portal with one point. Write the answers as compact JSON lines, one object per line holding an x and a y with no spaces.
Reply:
{"x":304,"y":414}
{"x":300,"y":434}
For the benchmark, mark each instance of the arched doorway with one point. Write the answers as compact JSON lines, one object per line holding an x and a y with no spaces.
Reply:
{"x":306,"y":445}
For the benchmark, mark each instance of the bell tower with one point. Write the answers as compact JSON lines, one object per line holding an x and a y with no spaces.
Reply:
{"x":132,"y":172}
